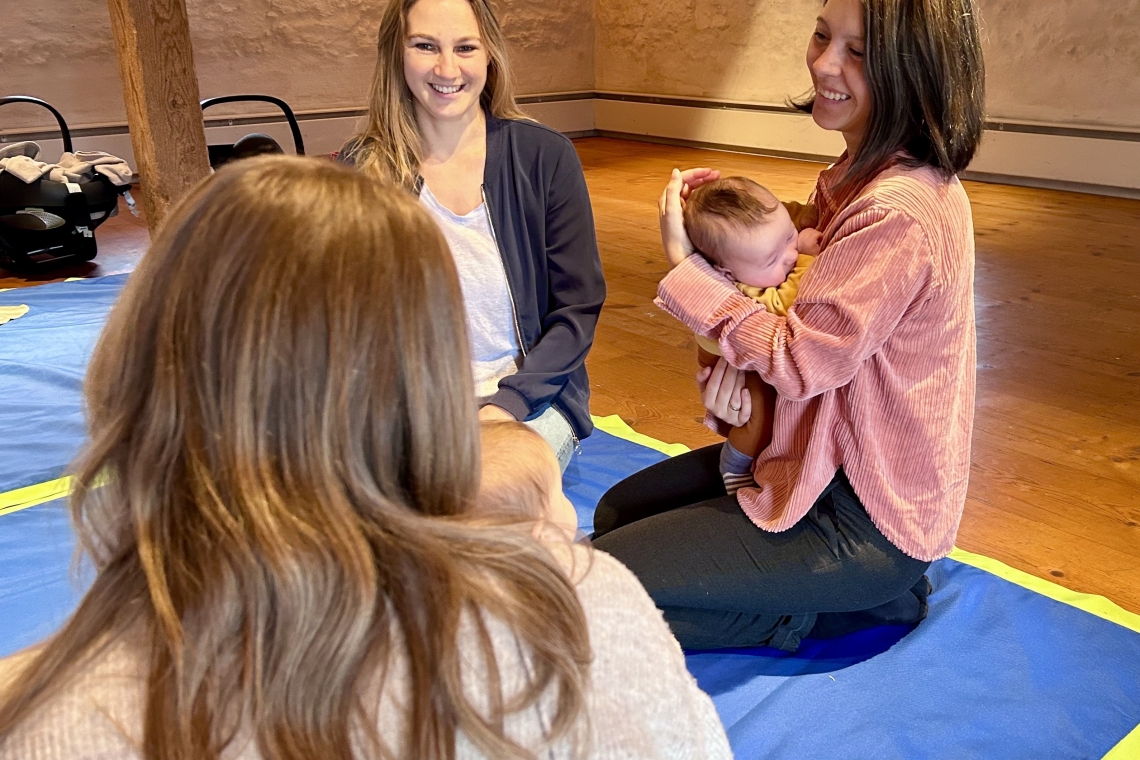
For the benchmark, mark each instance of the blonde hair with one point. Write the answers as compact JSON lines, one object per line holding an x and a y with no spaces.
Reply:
{"x":390,"y":144}
{"x":281,"y":409}
{"x":714,"y":208}
{"x":517,"y":471}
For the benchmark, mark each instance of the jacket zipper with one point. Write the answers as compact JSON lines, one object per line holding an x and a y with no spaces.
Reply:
{"x":514,"y":304}
{"x":573,"y":435}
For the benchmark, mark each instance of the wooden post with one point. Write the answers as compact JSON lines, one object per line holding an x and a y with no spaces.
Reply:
{"x":160,"y":87}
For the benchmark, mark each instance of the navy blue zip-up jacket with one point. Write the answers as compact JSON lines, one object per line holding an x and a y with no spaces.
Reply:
{"x":544,"y":229}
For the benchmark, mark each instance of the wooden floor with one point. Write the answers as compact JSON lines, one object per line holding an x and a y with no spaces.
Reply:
{"x":1055,"y":485}
{"x":122,"y":240}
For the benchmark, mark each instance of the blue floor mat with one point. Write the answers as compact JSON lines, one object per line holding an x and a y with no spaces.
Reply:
{"x":996,"y":671}
{"x":601,"y":462}
{"x":39,"y":587}
{"x":43,"y":356}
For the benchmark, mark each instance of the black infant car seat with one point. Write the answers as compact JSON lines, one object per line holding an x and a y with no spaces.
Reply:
{"x":43,"y":224}
{"x":254,"y":144}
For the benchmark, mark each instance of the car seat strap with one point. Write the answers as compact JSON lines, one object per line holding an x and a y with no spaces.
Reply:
{"x":77,"y":205}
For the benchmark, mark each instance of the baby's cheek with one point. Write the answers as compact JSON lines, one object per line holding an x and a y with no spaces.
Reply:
{"x":563,"y":513}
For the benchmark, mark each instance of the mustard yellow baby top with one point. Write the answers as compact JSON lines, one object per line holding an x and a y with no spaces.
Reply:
{"x":776,"y":300}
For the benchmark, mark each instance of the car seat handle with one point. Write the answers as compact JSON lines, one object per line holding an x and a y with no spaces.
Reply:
{"x":294,"y":127}
{"x":67,"y":147}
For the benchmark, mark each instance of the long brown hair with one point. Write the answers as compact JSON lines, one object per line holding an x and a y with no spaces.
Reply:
{"x":282,"y":414}
{"x":390,"y":143}
{"x":925,"y":72}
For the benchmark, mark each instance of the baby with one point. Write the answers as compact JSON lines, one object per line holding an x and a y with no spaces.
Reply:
{"x":745,"y":232}
{"x":521,"y":478}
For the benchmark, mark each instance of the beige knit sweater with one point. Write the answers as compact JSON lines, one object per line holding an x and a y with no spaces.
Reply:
{"x":641,"y":702}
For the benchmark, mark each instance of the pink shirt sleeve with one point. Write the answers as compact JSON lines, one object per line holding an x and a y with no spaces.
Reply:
{"x":876,"y":266}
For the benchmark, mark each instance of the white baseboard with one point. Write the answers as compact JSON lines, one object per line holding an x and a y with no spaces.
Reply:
{"x":323,"y":134}
{"x":1059,"y":157}
{"x":572,"y":117}
{"x":321,"y":137}
{"x":786,"y":134}
{"x":1060,"y":160}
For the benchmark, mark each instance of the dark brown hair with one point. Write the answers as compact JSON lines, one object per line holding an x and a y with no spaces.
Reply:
{"x":518,"y":467}
{"x":727,"y":203}
{"x":924,"y":69}
{"x":277,"y":491}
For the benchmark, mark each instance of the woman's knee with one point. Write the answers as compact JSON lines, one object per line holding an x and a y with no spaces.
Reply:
{"x":606,"y":517}
{"x":689,"y":478}
{"x":556,"y":431}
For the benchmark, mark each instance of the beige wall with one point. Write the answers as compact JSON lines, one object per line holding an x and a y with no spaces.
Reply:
{"x":316,"y":54}
{"x":723,"y":49}
{"x":552,"y":43}
{"x":69,"y":64}
{"x":1055,"y":61}
{"x":1068,"y":62}
{"x":1064,"y":61}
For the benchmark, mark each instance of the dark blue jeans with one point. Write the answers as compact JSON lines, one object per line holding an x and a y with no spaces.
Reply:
{"x":723,"y":582}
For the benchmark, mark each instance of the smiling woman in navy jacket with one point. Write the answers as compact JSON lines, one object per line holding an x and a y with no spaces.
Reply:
{"x":511,"y":200}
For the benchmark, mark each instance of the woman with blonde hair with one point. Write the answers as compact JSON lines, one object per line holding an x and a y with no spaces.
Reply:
{"x":277,"y":497}
{"x":511,"y":199}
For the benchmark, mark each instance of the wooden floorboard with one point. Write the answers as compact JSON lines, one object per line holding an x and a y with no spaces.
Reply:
{"x":1055,"y":483}
{"x":122,"y":241}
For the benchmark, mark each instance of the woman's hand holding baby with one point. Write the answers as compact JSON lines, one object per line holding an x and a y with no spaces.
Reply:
{"x":723,"y":393}
{"x":670,"y":207}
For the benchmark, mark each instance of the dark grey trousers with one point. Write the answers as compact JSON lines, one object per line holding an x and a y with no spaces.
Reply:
{"x":723,"y":582}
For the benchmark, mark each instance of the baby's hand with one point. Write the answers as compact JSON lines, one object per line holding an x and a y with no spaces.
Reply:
{"x":803,"y":215}
{"x":808,"y":241}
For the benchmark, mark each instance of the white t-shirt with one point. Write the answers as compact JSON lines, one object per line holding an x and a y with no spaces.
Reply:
{"x":495,"y":351}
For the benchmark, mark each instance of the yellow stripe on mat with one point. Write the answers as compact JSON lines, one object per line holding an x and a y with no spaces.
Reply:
{"x":1090,"y":603}
{"x":1127,"y":749}
{"x":617,"y":427}
{"x":40,"y":493}
{"x":30,"y":496}
{"x":1094,"y":605}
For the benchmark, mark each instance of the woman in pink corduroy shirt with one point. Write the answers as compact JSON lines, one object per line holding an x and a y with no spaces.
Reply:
{"x":865,"y":480}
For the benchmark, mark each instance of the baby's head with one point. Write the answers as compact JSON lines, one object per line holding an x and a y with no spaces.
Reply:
{"x":521,"y":476}
{"x":743,"y":228}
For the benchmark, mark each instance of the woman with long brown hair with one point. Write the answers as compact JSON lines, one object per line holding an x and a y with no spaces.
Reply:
{"x":277,"y":496}
{"x":864,"y":482}
{"x":511,"y":199}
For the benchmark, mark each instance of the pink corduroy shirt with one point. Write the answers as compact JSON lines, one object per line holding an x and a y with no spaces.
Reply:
{"x":874,"y":364}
